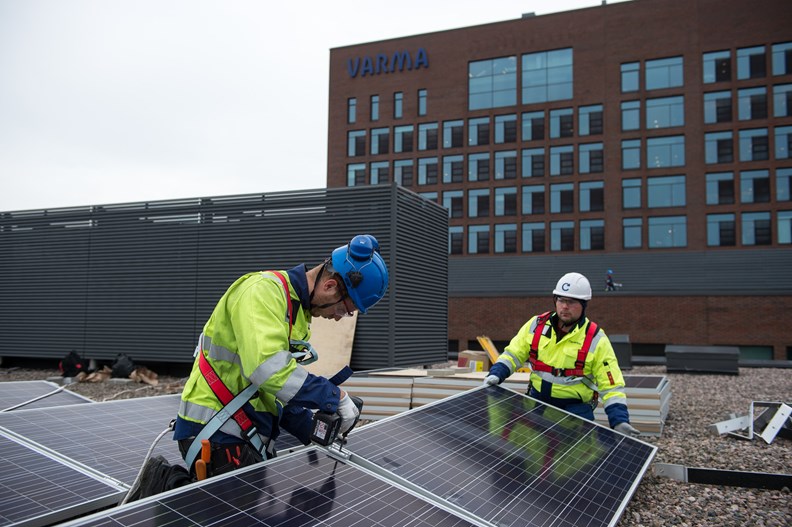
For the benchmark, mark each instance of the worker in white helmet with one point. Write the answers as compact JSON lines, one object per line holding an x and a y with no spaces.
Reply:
{"x":571,"y":359}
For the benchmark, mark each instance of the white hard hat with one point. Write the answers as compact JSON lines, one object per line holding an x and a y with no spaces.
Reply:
{"x":573,"y":285}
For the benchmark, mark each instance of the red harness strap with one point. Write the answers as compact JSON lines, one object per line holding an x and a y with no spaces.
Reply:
{"x":533,"y":354}
{"x":217,"y":385}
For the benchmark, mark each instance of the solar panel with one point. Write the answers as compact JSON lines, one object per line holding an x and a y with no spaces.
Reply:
{"x":506,"y":457}
{"x":37,"y":489}
{"x":304,"y":488}
{"x":15,"y":393}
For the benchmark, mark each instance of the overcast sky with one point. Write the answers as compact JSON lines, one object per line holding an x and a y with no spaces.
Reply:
{"x":113,"y":101}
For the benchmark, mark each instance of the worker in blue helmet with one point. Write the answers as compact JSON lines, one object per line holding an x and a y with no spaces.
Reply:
{"x":248,"y":381}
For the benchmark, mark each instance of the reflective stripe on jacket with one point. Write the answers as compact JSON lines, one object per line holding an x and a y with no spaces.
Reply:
{"x":601,"y":370}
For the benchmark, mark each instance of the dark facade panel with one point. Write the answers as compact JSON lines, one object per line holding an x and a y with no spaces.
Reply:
{"x":736,"y":272}
{"x":142,"y":278}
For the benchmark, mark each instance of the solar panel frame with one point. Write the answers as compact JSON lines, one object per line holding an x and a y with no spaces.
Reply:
{"x":307,"y":487}
{"x":500,"y":480}
{"x":15,"y":393}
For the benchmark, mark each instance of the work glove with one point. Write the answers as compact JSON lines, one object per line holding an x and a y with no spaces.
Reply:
{"x":348,"y":412}
{"x":491,"y":380}
{"x":627,"y":429}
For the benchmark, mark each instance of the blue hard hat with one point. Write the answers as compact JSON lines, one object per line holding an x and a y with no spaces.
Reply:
{"x":610,"y":271}
{"x":363,"y":270}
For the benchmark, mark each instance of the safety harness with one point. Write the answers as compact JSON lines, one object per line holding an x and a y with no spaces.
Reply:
{"x":533,"y":355}
{"x":232,"y":405}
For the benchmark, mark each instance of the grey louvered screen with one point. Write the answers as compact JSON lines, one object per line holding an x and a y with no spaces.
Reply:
{"x":142,"y":278}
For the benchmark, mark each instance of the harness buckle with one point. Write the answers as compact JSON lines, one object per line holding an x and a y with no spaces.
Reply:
{"x":558,"y":372}
{"x":249,"y":433}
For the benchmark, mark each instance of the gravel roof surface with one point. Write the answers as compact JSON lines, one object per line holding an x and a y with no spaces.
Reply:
{"x":697,"y":401}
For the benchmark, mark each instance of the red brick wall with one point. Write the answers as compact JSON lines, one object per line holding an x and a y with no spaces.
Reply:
{"x":703,"y":321}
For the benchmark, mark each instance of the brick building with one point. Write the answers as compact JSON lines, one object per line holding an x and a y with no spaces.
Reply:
{"x":651,"y":137}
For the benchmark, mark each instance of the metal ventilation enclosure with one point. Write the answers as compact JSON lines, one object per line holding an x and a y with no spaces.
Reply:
{"x":142,"y":278}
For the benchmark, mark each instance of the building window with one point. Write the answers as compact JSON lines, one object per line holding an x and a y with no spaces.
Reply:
{"x":505,"y":129}
{"x":533,"y":237}
{"x":478,"y":203}
{"x":506,"y":165}
{"x":492,"y":83}
{"x":356,"y":175}
{"x":427,"y":136}
{"x":562,"y":123}
{"x":751,"y":63}
{"x":427,"y":171}
{"x":547,"y":76}
{"x":590,"y":120}
{"x":380,"y":141}
{"x":356,"y":143}
{"x":630,"y":74}
{"x":533,"y":162}
{"x":785,"y":227}
{"x":403,"y":139}
{"x":754,"y":145}
{"x":592,"y":196}
{"x":398,"y":105}
{"x":479,"y":167}
{"x":756,"y":228}
{"x":431,"y":196}
{"x":380,"y":173}
{"x":664,"y":73}
{"x":591,"y":159}
{"x":562,"y":198}
{"x":630,"y":115}
{"x":717,"y":66}
{"x":403,"y":172}
{"x":718,"y":148}
{"x":592,"y":235}
{"x":754,"y":186}
{"x":667,"y":231}
{"x":631,"y":193}
{"x":782,"y":58}
{"x":717,"y":107}
{"x":664,"y":152}
{"x":453,"y":169}
{"x":533,"y":199}
{"x":631,"y":154}
{"x":783,"y":184}
{"x":665,"y":112}
{"x":375,"y":107}
{"x":453,"y":200}
{"x":533,"y":127}
{"x":505,"y":201}
{"x":631,"y":232}
{"x":721,"y":230}
{"x":351,"y":110}
{"x":453,"y":134}
{"x":478,"y":239}
{"x":506,"y":238}
{"x":562,"y":236}
{"x":783,"y":142}
{"x":421,"y":102}
{"x":720,"y":188}
{"x":478,"y":131}
{"x":782,"y":100}
{"x":455,"y":237}
{"x":562,"y":160}
{"x":752,"y":103}
{"x":665,"y":191}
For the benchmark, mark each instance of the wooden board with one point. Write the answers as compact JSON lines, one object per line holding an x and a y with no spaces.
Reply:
{"x":333,"y":341}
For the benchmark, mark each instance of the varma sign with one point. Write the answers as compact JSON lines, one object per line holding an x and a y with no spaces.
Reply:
{"x":382,"y":63}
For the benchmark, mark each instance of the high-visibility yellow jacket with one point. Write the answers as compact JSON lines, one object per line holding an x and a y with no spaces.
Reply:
{"x":601,"y":370}
{"x":246,"y":340}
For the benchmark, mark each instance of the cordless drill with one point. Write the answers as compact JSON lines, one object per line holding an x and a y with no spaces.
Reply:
{"x":326,"y":425}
